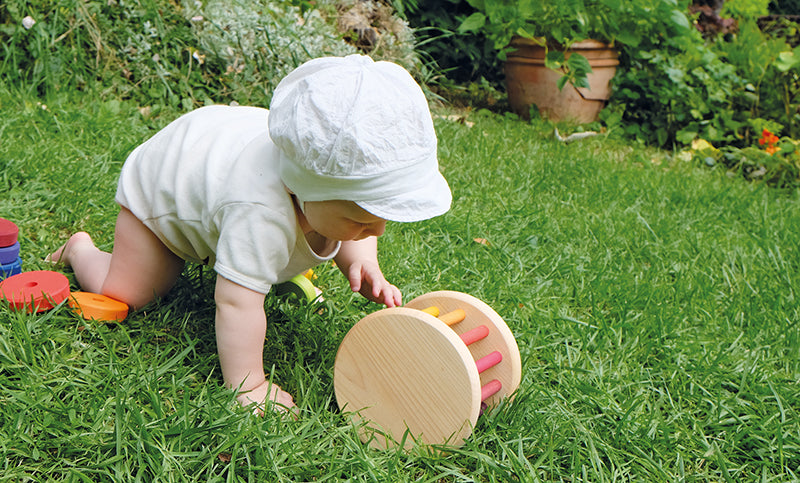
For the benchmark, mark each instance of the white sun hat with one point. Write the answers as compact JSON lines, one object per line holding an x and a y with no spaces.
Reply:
{"x":350,"y":128}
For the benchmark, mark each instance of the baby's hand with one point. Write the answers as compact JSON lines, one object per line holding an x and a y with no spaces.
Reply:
{"x":276,"y":399}
{"x":367,"y":279}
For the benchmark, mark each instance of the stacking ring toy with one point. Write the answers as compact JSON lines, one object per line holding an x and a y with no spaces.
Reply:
{"x":9,"y":254}
{"x":10,"y":262}
{"x":35,"y":291}
{"x":9,"y":269}
{"x":93,"y":306}
{"x":425,"y":371}
{"x":8,"y":232}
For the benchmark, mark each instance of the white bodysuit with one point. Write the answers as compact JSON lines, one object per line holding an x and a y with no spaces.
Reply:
{"x":208,"y":186}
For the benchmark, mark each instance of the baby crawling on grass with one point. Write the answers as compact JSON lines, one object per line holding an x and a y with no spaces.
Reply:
{"x":262,"y":195}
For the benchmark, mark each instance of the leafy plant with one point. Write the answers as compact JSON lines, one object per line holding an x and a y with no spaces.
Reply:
{"x":689,"y":88}
{"x":255,"y":43}
{"x":132,"y":46}
{"x":746,"y":9}
{"x":631,"y":24}
{"x":461,"y":56}
{"x":772,"y":70}
{"x":678,"y":93}
{"x":172,"y":53}
{"x":784,"y":7}
{"x":772,"y":159}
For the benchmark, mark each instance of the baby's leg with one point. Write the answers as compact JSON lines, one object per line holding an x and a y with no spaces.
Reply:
{"x":89,"y":263}
{"x":139,"y":268}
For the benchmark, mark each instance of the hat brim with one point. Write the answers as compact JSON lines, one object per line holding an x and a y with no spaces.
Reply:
{"x":429,"y":199}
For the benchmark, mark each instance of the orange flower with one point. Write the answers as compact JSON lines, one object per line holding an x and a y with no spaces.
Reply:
{"x":770,"y":140}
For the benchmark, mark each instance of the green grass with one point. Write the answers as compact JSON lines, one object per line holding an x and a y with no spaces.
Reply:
{"x":654,"y":304}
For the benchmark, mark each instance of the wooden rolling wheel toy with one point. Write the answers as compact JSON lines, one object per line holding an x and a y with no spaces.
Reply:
{"x":424,"y":372}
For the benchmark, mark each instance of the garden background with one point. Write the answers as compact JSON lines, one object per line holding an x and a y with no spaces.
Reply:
{"x":648,"y":272}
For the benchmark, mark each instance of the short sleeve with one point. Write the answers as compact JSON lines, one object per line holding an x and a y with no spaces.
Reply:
{"x":255,"y":244}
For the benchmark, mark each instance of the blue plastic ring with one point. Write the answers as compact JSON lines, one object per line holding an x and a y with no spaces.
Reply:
{"x":7,"y":270}
{"x":9,"y":254}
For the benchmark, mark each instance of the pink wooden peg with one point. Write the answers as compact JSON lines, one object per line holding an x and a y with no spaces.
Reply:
{"x":489,"y":361}
{"x":490,"y":389}
{"x":474,"y":335}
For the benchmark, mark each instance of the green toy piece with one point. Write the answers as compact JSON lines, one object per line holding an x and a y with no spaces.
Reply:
{"x":299,"y":286}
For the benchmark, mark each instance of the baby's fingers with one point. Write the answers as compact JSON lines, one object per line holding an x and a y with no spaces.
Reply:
{"x":388,"y":294}
{"x":354,"y":276}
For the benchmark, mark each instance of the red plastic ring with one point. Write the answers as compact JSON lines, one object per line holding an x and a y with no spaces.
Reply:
{"x":35,"y":291}
{"x":9,"y":232}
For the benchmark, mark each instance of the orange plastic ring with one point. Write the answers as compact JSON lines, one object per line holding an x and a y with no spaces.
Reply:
{"x":92,"y":306}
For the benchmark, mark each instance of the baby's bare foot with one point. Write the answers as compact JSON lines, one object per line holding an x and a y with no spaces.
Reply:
{"x":269,"y":396}
{"x":64,"y":253}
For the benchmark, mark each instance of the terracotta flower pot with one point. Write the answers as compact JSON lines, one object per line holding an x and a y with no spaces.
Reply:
{"x":529,"y":82}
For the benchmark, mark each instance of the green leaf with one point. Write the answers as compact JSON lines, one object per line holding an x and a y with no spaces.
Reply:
{"x":687,"y":134}
{"x":628,"y":36}
{"x":554,"y":59}
{"x":679,"y":19}
{"x":611,"y":118}
{"x":524,"y":33}
{"x":712,"y":133}
{"x":579,"y":64}
{"x":787,"y":61}
{"x":477,"y":4}
{"x":661,"y":135}
{"x":473,"y":23}
{"x":675,"y":74}
{"x":562,"y":81}
{"x":526,"y":9}
{"x":580,"y":80}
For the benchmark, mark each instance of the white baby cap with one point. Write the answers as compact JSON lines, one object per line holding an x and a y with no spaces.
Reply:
{"x":350,"y":128}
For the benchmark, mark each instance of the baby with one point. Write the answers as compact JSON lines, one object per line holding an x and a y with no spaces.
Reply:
{"x":262,"y":195}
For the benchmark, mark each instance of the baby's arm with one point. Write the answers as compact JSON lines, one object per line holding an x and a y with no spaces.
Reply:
{"x":358,"y":261}
{"x":241,"y":326}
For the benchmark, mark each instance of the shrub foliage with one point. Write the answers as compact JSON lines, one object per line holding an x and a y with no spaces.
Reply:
{"x":182,"y":53}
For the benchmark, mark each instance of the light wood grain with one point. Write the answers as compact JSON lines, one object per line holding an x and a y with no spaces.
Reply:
{"x":404,"y":370}
{"x":406,"y":375}
{"x":509,"y":371}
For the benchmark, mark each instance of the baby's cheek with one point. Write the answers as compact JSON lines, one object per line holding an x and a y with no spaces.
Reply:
{"x":360,"y":235}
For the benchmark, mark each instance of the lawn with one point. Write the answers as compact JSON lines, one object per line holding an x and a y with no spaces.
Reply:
{"x":653,"y":301}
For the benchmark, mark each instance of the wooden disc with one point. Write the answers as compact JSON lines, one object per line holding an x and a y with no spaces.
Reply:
{"x":401,"y":369}
{"x":500,"y":338}
{"x":92,"y":306}
{"x":35,"y":291}
{"x":8,"y":232}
